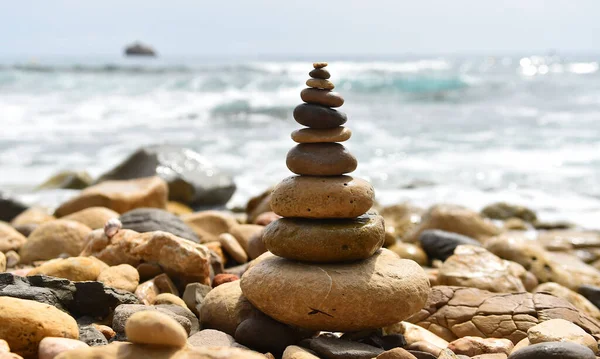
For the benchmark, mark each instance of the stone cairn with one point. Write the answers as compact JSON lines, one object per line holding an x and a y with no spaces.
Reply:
{"x":326,"y":269}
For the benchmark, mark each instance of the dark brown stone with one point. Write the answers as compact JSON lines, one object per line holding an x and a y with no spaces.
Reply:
{"x":322,"y":97}
{"x":316,"y":116}
{"x":320,"y":73}
{"x":320,"y":159}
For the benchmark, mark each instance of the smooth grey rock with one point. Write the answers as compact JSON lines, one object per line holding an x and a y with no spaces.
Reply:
{"x":440,"y":244}
{"x":191,"y":177}
{"x":211,"y":338}
{"x":89,"y":334}
{"x":154,"y":219}
{"x":591,"y":293}
{"x":193,"y":296}
{"x":554,"y":350}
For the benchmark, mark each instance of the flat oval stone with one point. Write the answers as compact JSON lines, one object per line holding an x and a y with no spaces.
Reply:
{"x":322,"y":97}
{"x":553,"y":350}
{"x":320,"y":84}
{"x":318,"y":65}
{"x":325,"y":240}
{"x":314,"y":135}
{"x":372,"y":293}
{"x":318,"y":117}
{"x":322,"y":197}
{"x":320,"y":159}
{"x":320,"y":73}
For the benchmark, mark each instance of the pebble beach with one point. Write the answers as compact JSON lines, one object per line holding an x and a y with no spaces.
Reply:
{"x":165,"y":253}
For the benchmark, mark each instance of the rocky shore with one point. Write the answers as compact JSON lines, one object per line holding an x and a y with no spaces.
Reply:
{"x":144,"y":262}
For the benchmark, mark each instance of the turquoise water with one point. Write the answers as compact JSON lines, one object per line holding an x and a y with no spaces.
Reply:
{"x":467,"y":130}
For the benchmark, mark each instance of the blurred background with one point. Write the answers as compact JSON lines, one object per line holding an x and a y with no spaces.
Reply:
{"x":466,"y":102}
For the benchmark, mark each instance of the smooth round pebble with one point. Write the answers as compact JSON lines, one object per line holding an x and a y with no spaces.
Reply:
{"x":318,"y":65}
{"x":153,"y":327}
{"x":313,"y":135}
{"x":50,"y":347}
{"x":553,"y":350}
{"x":333,"y":297}
{"x":320,"y":84}
{"x":322,"y":197}
{"x":325,"y":240}
{"x":319,"y":73}
{"x":322,"y":97}
{"x":168,"y":298}
{"x":320,"y":159}
{"x":318,"y":117}
{"x":122,"y":276}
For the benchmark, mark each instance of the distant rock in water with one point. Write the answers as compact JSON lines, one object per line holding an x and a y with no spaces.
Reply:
{"x":139,"y":49}
{"x":192,"y":179}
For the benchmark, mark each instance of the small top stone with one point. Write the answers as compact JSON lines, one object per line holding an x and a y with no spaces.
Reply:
{"x":318,"y":65}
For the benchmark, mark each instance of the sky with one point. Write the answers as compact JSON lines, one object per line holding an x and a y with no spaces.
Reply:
{"x":296,"y":27}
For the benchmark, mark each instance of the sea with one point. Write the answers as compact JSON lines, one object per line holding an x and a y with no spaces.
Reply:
{"x":468,"y":130}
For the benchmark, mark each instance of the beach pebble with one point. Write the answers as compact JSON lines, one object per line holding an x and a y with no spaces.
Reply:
{"x":256,"y":245}
{"x":265,"y":218}
{"x":168,"y":298}
{"x":573,"y":297}
{"x":441,"y":244}
{"x":208,"y":225}
{"x":2,"y":262}
{"x":554,"y":350}
{"x":325,"y":240}
{"x":322,"y":197}
{"x":396,"y":353}
{"x":244,"y":232}
{"x":320,"y":84}
{"x":32,"y":216}
{"x":297,"y":352}
{"x":426,"y":347}
{"x":54,"y":238}
{"x":73,"y":268}
{"x":409,"y":251}
{"x":105,"y":330}
{"x":320,"y":159}
{"x":194,"y":295}
{"x":318,"y":117}
{"x":25,"y":323}
{"x":321,"y":97}
{"x":155,"y":219}
{"x":334,"y":348}
{"x":183,"y":316}
{"x":50,"y":347}
{"x":10,"y":238}
{"x":414,"y":333}
{"x":313,"y":135}
{"x":123,"y":277}
{"x":504,"y":211}
{"x":112,"y":226}
{"x":560,"y":330}
{"x":231,"y":245}
{"x":331,"y":291}
{"x":319,"y":73}
{"x":4,"y":347}
{"x":266,"y":335}
{"x":472,"y":346}
{"x":222,"y":278}
{"x":120,"y":196}
{"x":147,"y":292}
{"x":318,"y":65}
{"x":211,"y":338}
{"x":225,"y":307}
{"x":93,"y":217}
{"x":151,"y":327}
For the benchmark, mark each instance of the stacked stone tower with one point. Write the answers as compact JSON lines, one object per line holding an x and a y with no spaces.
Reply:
{"x":326,"y":269}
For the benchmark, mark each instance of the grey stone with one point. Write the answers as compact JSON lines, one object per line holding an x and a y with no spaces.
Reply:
{"x":591,"y":292}
{"x":334,"y":348}
{"x":184,"y":312}
{"x":10,"y":207}
{"x":554,"y":350}
{"x":211,"y":338}
{"x":89,"y":334}
{"x":123,"y":312}
{"x":154,"y":219}
{"x":193,"y":296}
{"x":48,"y":290}
{"x":440,"y":244}
{"x":191,"y":177}
{"x":265,"y":334}
{"x":98,"y":300}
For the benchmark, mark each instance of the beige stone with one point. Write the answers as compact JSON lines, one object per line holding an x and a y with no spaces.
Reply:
{"x":258,"y":205}
{"x":401,"y":219}
{"x":225,"y":307}
{"x":51,"y":239}
{"x":93,"y":217}
{"x":325,"y":296}
{"x":231,"y":245}
{"x":414,"y":333}
{"x":471,"y":346}
{"x":50,"y":347}
{"x":120,"y":196}
{"x":122,"y":350}
{"x":296,"y":352}
{"x":560,"y":330}
{"x":321,"y":97}
{"x":4,"y":347}
{"x":520,"y":345}
{"x":168,"y":298}
{"x":455,"y":312}
{"x":320,"y":159}
{"x":208,"y":225}
{"x":323,"y":135}
{"x":147,"y":292}
{"x":244,"y":232}
{"x":426,"y":347}
{"x":73,"y":268}
{"x":320,"y":84}
{"x":454,"y":219}
{"x":472,"y":266}
{"x":569,"y":238}
{"x":25,"y":323}
{"x":396,"y":353}
{"x":33,"y":215}
{"x":515,"y":224}
{"x":155,"y":328}
{"x":410,"y":251}
{"x":10,"y":238}
{"x":322,"y":197}
{"x":2,"y":262}
{"x":122,"y":276}
{"x":572,"y":297}
{"x":178,"y":208}
{"x":115,"y":250}
{"x":325,"y":240}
